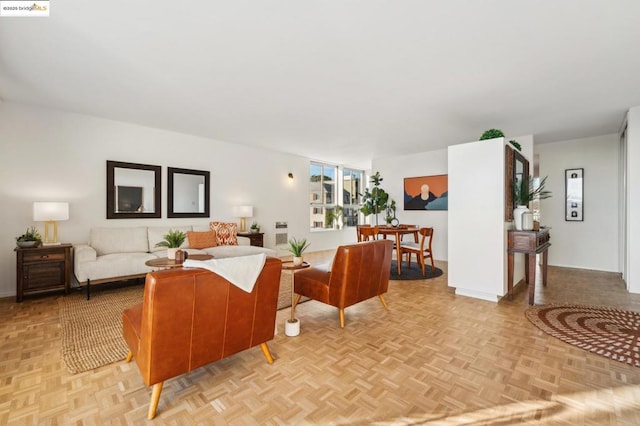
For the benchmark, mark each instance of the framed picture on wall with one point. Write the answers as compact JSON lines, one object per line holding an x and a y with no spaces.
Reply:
{"x":426,"y":193}
{"x":574,"y":198}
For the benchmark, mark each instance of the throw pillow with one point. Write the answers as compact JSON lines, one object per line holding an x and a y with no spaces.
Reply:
{"x":201,"y":240}
{"x":226,"y":233}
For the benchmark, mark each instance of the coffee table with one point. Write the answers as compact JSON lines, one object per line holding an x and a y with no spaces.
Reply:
{"x":295,"y":324}
{"x":165,"y":262}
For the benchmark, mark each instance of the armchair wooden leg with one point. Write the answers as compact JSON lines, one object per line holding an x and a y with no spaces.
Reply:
{"x":383,"y":302}
{"x":155,"y":398}
{"x":129,"y":357}
{"x":266,"y":352}
{"x":341,"y":318}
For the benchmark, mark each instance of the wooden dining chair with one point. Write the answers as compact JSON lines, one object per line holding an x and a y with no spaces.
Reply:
{"x":422,"y":250}
{"x":358,"y":233}
{"x":415,"y":234}
{"x":369,"y":233}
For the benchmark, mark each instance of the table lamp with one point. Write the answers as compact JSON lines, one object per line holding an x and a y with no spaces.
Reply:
{"x":50,"y":213}
{"x":243,"y":212}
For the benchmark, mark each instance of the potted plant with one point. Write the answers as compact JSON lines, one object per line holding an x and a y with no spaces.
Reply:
{"x":524,"y":191}
{"x":374,"y":201}
{"x":172,"y":241}
{"x":31,"y":238}
{"x":391,"y":212}
{"x":255,"y":228}
{"x":492,"y":134}
{"x":297,"y":247}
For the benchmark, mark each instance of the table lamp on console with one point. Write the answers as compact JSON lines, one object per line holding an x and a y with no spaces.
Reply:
{"x":243,"y":212}
{"x":50,"y":213}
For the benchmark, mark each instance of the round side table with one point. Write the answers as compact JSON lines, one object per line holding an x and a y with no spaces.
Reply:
{"x":292,"y":325}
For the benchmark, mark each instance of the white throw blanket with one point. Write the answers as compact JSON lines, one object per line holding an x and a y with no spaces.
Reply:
{"x":240,"y":271}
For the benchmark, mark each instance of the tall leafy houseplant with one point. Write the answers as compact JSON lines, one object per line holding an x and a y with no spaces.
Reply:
{"x":525,"y":190}
{"x":374,"y":201}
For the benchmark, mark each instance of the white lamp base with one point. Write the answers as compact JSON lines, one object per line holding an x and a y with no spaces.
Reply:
{"x":292,"y":327}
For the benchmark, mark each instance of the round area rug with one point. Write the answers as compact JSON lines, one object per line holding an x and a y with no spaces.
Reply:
{"x":413,"y":273}
{"x":605,"y":331}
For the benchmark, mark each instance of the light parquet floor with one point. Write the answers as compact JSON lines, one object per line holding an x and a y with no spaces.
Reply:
{"x":433,"y":358}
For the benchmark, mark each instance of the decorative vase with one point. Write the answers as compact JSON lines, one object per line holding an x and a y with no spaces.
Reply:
{"x":171,"y":253}
{"x":297,"y":260}
{"x":517,"y":216}
{"x":527,"y":221}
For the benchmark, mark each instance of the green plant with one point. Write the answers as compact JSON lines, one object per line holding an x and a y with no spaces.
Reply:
{"x":391,"y":211}
{"x":297,"y":247}
{"x":31,"y":234}
{"x":173,"y":239}
{"x":525,"y":190}
{"x":255,"y":226}
{"x":374,"y":201}
{"x":332,"y":216}
{"x":492,"y":134}
{"x":515,"y":144}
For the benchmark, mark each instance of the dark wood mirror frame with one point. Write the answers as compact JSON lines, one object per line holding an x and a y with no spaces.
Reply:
{"x":511,"y":158}
{"x":112,"y":212}
{"x":172,"y":171}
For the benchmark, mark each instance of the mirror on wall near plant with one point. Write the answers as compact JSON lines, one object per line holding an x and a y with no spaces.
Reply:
{"x":187,"y":193}
{"x":516,"y":169}
{"x":133,"y":191}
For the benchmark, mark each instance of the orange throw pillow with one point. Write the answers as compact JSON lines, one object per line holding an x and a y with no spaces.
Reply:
{"x":226,"y":233}
{"x":200,"y":240}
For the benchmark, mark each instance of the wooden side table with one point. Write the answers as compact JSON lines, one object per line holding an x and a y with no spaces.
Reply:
{"x":43,"y":269}
{"x":256,"y":238}
{"x":292,"y":326}
{"x":530,"y":243}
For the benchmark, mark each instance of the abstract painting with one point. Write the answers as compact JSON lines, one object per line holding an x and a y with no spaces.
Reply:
{"x":426,"y":193}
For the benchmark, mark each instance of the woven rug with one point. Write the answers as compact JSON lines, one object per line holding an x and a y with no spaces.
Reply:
{"x":413,"y":273}
{"x":605,"y":331}
{"x":92,"y":329}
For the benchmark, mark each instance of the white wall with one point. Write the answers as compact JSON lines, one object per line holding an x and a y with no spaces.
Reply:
{"x":593,"y":243}
{"x":394,"y":169}
{"x":633,"y":206}
{"x":48,"y":155}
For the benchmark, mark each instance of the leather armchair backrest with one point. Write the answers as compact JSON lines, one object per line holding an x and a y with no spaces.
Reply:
{"x":359,"y":272}
{"x":191,"y":317}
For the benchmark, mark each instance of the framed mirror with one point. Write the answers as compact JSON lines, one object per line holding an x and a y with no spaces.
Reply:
{"x":187,"y":193}
{"x":133,"y":191}
{"x":516,"y":169}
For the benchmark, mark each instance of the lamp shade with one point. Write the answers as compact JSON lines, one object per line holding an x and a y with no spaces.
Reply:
{"x":243,"y":211}
{"x":46,"y":211}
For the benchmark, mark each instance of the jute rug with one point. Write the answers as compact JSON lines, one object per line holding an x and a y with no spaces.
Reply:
{"x":92,"y":329}
{"x":605,"y":331}
{"x":413,"y":273}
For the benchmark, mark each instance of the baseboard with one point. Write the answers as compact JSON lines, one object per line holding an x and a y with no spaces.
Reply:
{"x":477,"y":295}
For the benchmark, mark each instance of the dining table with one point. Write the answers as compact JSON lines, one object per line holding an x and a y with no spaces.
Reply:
{"x":398,"y":231}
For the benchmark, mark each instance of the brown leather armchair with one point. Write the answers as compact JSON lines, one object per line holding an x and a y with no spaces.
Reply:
{"x":358,"y":272}
{"x":192,"y":317}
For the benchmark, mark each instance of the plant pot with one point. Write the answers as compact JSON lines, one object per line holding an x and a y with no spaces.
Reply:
{"x":171,"y":253}
{"x":27,"y":244}
{"x":297,"y":260}
{"x":292,"y":327}
{"x":517,"y":216}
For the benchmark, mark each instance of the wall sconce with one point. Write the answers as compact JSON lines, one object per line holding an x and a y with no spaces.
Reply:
{"x":243,"y":212}
{"x":290,"y":175}
{"x":50,"y":213}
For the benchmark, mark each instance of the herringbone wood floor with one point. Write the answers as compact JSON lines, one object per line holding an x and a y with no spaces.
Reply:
{"x":432,"y":358}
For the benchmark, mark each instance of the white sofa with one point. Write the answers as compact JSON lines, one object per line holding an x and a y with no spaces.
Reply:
{"x":116,"y":254}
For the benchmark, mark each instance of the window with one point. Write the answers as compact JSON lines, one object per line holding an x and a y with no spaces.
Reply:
{"x":322,"y":195}
{"x":351,"y":190}
{"x":329,"y":210}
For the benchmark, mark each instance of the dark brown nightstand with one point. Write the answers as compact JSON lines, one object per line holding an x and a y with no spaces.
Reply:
{"x":257,"y":238}
{"x":43,"y":269}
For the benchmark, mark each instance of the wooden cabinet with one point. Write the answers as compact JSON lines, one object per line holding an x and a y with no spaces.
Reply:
{"x":43,"y":269}
{"x":257,"y":238}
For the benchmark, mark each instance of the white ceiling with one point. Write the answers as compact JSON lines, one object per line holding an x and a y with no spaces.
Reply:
{"x":342,"y":81}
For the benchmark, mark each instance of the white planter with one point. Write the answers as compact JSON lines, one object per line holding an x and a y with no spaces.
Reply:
{"x":527,"y":221}
{"x":517,"y":216}
{"x":171,"y":253}
{"x":297,"y":260}
{"x":292,"y":327}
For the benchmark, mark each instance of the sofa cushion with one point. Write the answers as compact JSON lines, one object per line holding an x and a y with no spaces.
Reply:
{"x":226,"y":233}
{"x":119,"y":240}
{"x":157,"y":233}
{"x":200,"y":240}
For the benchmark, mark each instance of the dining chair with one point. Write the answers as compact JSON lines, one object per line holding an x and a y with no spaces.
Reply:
{"x":369,"y":233}
{"x":358,"y":233}
{"x":422,"y":250}
{"x":415,"y":234}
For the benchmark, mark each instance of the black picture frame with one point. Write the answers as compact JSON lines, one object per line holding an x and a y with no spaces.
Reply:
{"x":146,"y":176}
{"x":201,"y":177}
{"x":574,"y":195}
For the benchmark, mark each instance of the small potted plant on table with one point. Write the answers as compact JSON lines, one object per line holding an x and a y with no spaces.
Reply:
{"x":172,"y":241}
{"x":31,"y":238}
{"x":297,"y":247}
{"x":255,"y":228}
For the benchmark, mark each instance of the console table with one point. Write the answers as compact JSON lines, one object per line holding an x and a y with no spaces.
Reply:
{"x":43,"y":269}
{"x":530,"y":243}
{"x":256,"y":238}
